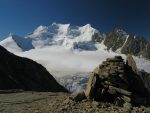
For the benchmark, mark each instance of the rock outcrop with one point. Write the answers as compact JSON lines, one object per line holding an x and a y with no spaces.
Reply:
{"x":118,"y":82}
{"x":127,"y":44}
{"x":115,"y":39}
{"x":23,"y":73}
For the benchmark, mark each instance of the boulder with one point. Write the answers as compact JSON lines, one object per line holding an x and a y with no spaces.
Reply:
{"x":127,"y":106}
{"x":90,"y":86}
{"x":79,"y":96}
{"x":132,"y":63}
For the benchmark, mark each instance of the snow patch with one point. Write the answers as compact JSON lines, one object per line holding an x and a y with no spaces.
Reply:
{"x":10,"y":45}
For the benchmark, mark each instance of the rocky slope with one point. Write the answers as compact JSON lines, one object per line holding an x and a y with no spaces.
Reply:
{"x":23,"y":73}
{"x":122,"y":42}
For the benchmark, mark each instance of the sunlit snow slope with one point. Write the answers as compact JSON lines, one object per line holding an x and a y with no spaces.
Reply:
{"x":66,"y":35}
{"x":16,"y":43}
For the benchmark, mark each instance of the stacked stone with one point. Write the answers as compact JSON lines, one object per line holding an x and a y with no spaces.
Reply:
{"x":119,"y":82}
{"x":109,"y":78}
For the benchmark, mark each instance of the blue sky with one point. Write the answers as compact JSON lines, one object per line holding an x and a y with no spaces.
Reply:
{"x":23,"y":16}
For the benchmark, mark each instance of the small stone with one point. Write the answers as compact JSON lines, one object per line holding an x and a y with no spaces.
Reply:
{"x":113,"y":72}
{"x":64,"y":108}
{"x":66,"y":101}
{"x":120,"y":71}
{"x":36,"y":111}
{"x":147,"y":110}
{"x":127,"y":99}
{"x":85,"y":100}
{"x":141,"y":109}
{"x":95,"y":103}
{"x":106,"y":75}
{"x":80,"y":96}
{"x":121,"y":75}
{"x":127,"y":106}
{"x":121,"y":65}
{"x":120,"y":68}
{"x":118,"y":57}
{"x":101,"y":66}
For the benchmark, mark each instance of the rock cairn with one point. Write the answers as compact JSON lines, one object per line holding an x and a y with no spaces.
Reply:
{"x":108,"y":82}
{"x":117,"y":82}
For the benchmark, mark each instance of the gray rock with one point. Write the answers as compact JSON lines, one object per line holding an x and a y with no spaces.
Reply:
{"x":79,"y":96}
{"x":90,"y":86}
{"x":129,"y":44}
{"x":95,"y":103}
{"x":127,"y":106}
{"x":132,"y":63}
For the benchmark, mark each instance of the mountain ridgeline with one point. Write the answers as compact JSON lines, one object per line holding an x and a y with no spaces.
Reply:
{"x":25,"y":74}
{"x":120,"y":41}
{"x":81,"y":38}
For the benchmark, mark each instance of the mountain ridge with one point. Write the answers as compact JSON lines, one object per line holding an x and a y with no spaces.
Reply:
{"x":25,"y":74}
{"x":85,"y":38}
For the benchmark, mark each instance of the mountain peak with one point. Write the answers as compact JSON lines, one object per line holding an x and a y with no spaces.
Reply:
{"x":78,"y":37}
{"x":120,"y":31}
{"x":63,"y":35}
{"x":40,"y":29}
{"x":87,"y":26}
{"x":59,"y":24}
{"x":16,"y":43}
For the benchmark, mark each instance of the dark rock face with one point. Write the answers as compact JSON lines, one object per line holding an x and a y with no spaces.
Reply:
{"x":135,"y":46}
{"x":128,"y":44}
{"x":23,"y":73}
{"x":146,"y":80}
{"x":98,"y":38}
{"x":132,"y":64}
{"x":115,"y":39}
{"x":119,"y":82}
{"x":147,"y":51}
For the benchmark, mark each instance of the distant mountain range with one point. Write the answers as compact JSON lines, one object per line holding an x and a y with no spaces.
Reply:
{"x":79,"y":38}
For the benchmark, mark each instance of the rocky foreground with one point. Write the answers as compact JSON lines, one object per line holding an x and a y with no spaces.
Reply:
{"x":47,"y":102}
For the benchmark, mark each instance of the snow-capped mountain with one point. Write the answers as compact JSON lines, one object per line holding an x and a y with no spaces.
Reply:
{"x":67,"y":50}
{"x":16,"y":43}
{"x":69,"y":36}
{"x":79,"y":38}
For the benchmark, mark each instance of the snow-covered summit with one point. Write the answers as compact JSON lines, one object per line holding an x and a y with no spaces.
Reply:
{"x":66,"y":35}
{"x":16,"y":43}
